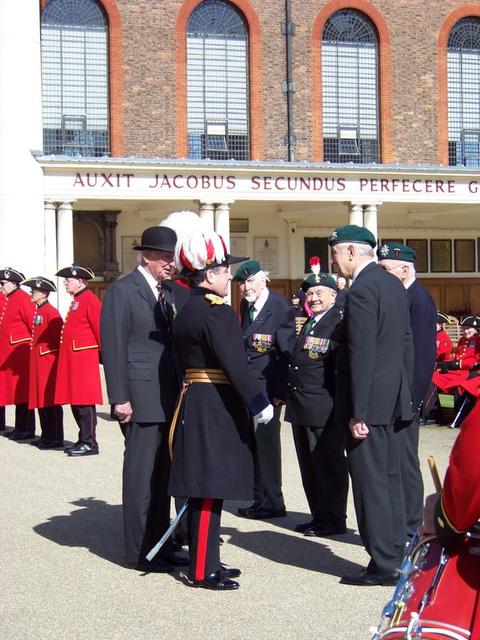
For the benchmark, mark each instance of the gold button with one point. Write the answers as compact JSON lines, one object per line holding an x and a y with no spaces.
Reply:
{"x":440,"y":522}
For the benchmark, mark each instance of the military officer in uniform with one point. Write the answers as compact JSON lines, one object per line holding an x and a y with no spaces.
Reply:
{"x":46,"y":330}
{"x":15,"y":336}
{"x":78,"y":374}
{"x":375,"y":367}
{"x":399,"y":260}
{"x":267,"y":324}
{"x":319,"y":443}
{"x":212,"y":434}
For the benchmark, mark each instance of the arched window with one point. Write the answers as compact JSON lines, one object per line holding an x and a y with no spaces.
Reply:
{"x":217,"y":82}
{"x":75,"y":78}
{"x":350,"y":88}
{"x":463,"y":63}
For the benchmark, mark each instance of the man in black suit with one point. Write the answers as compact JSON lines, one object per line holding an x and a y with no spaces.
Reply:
{"x":374,"y":385}
{"x":319,"y":443}
{"x":399,"y":260}
{"x":142,"y":386}
{"x":267,"y":324}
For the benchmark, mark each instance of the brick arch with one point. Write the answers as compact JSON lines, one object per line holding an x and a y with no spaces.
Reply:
{"x":384,"y":75}
{"x":257,"y":143}
{"x":115,"y":65}
{"x":466,"y":11}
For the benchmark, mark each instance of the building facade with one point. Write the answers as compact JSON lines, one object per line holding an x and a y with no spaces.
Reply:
{"x":276,"y":121}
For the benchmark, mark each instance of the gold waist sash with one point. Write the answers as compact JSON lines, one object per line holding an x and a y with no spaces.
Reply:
{"x":211,"y":376}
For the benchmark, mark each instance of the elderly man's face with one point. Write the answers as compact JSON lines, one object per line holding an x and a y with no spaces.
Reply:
{"x":396,"y":268}
{"x":252,"y":288}
{"x":7,"y":286}
{"x":320,"y":298}
{"x":159,"y":263}
{"x":469,"y":332}
{"x":342,"y":258}
{"x":74,"y":285}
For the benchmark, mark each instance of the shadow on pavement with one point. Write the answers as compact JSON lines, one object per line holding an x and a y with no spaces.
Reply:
{"x":300,"y":552}
{"x":96,"y":526}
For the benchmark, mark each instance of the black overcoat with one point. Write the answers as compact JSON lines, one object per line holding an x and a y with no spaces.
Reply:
{"x":311,"y":375}
{"x":276,"y":321}
{"x":212,"y":453}
{"x":375,"y":364}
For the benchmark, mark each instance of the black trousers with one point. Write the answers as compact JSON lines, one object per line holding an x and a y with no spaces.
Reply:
{"x":204,"y":515}
{"x":374,"y":465}
{"x":86,"y":418}
{"x":2,"y":419}
{"x":323,"y":467}
{"x":51,"y":423}
{"x":412,"y":480}
{"x":267,"y":490}
{"x":24,"y":419}
{"x":146,"y":504}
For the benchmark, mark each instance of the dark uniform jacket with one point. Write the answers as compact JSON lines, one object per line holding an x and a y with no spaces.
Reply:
{"x":311,"y":374}
{"x":423,"y":316}
{"x":212,"y":454}
{"x":137,"y":349}
{"x":267,"y":353}
{"x":375,"y":365}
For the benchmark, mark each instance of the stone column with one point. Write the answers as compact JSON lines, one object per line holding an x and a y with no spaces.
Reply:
{"x":50,"y":245}
{"x":21,"y":178}
{"x":222,"y":221}
{"x":110,"y":266}
{"x":370,"y":218}
{"x":64,"y":250}
{"x":355,"y":213}
{"x":206,"y":213}
{"x":292,"y":251}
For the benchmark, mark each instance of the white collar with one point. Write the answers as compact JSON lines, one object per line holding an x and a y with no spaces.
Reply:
{"x":261,"y":300}
{"x":408,"y":283}
{"x":151,"y":281}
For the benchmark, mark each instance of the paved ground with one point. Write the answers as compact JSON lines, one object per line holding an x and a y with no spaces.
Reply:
{"x":62,"y":575}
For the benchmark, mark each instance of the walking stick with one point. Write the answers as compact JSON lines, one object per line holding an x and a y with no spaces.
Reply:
{"x":434,"y":471}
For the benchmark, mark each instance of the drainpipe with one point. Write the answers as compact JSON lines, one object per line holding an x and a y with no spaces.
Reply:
{"x":288,"y":85}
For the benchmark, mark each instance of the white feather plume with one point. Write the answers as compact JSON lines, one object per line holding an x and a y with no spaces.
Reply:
{"x":195,"y":249}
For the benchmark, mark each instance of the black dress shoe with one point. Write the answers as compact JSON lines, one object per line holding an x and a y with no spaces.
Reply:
{"x":230,"y":572}
{"x":241,"y":511}
{"x":70,"y":447}
{"x":155,"y":566}
{"x":83,"y":449}
{"x":324,"y":531}
{"x":367,"y":579}
{"x":265,"y":514}
{"x":303,"y":526}
{"x":174,"y":557}
{"x":216,"y":581}
{"x":22,"y":435}
{"x":53,"y":444}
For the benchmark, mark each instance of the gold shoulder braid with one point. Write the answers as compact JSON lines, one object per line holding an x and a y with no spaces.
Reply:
{"x":213,"y":299}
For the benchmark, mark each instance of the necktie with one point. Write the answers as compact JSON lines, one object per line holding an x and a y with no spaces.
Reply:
{"x":308,"y":326}
{"x":161,"y":300}
{"x":251,"y":311}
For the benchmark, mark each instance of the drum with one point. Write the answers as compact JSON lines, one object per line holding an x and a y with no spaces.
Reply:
{"x":437,"y":596}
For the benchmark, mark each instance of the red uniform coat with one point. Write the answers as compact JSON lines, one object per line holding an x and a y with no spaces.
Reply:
{"x":78,"y":374}
{"x":46,"y":330}
{"x":444,"y":346}
{"x":459,"y":507}
{"x":15,"y":337}
{"x":468,"y":353}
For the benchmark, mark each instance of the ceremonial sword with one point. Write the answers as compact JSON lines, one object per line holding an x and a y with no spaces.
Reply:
{"x":154,"y":550}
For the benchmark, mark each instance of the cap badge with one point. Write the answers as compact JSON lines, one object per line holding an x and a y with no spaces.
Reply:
{"x":74,"y":272}
{"x":7,"y":274}
{"x":38,"y":283}
{"x":333,"y":235}
{"x":384,"y":250}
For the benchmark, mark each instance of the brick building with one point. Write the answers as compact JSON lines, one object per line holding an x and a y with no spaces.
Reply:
{"x":276,"y":121}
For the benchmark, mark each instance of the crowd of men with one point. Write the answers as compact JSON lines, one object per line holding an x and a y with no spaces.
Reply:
{"x":198,"y":392}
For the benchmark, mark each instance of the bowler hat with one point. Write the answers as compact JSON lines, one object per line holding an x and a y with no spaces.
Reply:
{"x":11,"y":274}
{"x":158,"y":239}
{"x":396,"y":251}
{"x":40,"y":284}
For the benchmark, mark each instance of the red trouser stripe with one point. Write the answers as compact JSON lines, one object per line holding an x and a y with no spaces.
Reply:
{"x":202,"y":543}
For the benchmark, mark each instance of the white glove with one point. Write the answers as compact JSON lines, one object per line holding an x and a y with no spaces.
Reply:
{"x":264,"y":416}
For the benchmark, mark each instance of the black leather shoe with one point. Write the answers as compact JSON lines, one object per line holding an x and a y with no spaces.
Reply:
{"x":303,"y":526}
{"x":265,"y":514}
{"x":367,"y":579}
{"x":71,"y":446}
{"x":22,"y":435}
{"x":322,"y":532}
{"x":53,"y":444}
{"x":174,"y":557}
{"x":155,"y":566}
{"x":230,"y":572}
{"x":241,"y":511}
{"x":10,"y":433}
{"x":216,"y":581}
{"x":83,"y":449}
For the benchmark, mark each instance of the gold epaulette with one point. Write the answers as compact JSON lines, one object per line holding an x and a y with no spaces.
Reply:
{"x":213,"y":299}
{"x":299,"y":322}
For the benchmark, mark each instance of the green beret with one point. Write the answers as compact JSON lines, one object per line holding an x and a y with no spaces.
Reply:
{"x":396,"y":251}
{"x":352,"y":233}
{"x":247,"y":270}
{"x":322,"y":280}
